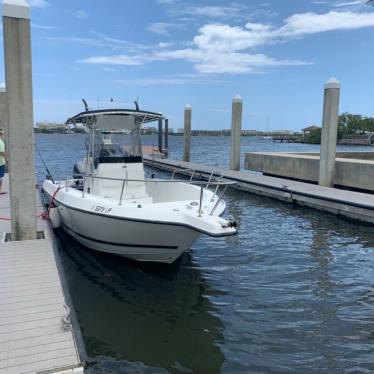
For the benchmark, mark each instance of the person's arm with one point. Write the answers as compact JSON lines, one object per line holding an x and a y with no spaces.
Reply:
{"x":5,"y":155}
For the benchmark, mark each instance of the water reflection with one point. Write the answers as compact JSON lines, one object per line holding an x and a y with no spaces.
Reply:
{"x":157,"y":315}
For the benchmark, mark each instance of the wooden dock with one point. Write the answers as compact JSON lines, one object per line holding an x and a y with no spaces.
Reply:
{"x":352,"y":205}
{"x":36,"y":332}
{"x":286,"y":138}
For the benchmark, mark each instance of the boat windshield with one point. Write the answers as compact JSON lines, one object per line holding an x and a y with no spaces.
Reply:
{"x":104,"y":147}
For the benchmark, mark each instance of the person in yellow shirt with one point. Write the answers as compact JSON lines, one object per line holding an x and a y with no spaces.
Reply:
{"x":3,"y":158}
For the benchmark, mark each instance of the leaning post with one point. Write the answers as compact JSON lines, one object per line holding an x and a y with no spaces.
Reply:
{"x":329,"y":132}
{"x":236,"y":128}
{"x":18,"y":79}
{"x":187,"y":133}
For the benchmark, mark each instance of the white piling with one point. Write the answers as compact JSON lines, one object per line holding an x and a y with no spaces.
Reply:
{"x":329,"y":132}
{"x":236,"y":128}
{"x":18,"y":78}
{"x":187,"y":133}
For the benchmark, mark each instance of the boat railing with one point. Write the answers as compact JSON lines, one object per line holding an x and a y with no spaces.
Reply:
{"x":183,"y":171}
{"x":193,"y":171}
{"x":219,"y":182}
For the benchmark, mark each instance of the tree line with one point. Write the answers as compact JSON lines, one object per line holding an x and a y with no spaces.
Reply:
{"x":348,"y":124}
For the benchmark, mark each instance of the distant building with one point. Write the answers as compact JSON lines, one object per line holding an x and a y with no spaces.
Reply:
{"x":51,"y":126}
{"x":148,"y":130}
{"x":308,"y":129}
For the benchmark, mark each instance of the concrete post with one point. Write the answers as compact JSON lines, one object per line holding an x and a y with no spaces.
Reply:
{"x":160,"y":135}
{"x":236,"y":128}
{"x":166,"y":134}
{"x":187,"y":133}
{"x":329,"y":133}
{"x":18,"y":79}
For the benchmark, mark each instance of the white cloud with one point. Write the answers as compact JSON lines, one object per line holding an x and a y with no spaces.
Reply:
{"x":220,"y":48}
{"x":2,"y":85}
{"x":349,"y":3}
{"x":218,"y":62}
{"x":168,"y":2}
{"x":213,"y":11}
{"x":169,"y":81}
{"x":228,"y":38}
{"x":81,"y":14}
{"x":312,"y":23}
{"x":115,"y":60}
{"x":164,"y":44}
{"x":162,"y":28}
{"x":38,"y":3}
{"x":231,"y":10}
{"x":43,"y":27}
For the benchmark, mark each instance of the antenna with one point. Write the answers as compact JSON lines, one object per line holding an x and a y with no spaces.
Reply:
{"x":85,"y":105}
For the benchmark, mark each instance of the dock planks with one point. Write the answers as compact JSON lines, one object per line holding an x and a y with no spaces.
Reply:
{"x":32,"y":336}
{"x":353,"y":205}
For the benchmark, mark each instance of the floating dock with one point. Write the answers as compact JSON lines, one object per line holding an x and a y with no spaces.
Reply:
{"x":38,"y":329}
{"x":352,"y":205}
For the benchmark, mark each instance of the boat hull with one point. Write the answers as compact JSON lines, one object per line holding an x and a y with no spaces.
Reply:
{"x":131,"y":239}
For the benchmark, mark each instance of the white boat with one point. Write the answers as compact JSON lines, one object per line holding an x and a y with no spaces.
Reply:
{"x":111,"y":207}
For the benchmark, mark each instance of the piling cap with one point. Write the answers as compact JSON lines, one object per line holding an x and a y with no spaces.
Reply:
{"x":16,"y":9}
{"x":237,"y":99}
{"x":332,"y":83}
{"x":188,"y":107}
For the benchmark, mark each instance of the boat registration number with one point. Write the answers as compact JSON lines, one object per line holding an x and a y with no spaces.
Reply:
{"x":100,"y":209}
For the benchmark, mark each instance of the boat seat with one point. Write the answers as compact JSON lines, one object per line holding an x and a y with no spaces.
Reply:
{"x":135,"y":190}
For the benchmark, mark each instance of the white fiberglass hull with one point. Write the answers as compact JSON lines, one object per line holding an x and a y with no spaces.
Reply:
{"x":139,"y":241}
{"x":156,"y":232}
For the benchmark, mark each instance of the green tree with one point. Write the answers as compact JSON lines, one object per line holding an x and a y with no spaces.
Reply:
{"x":314,"y":137}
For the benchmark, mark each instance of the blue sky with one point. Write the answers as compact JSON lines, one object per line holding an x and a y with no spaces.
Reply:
{"x":275,"y":54}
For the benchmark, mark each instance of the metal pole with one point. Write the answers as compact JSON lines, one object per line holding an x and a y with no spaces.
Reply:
{"x":160,"y":135}
{"x":329,"y":133}
{"x":166,"y":135}
{"x":187,"y":133}
{"x":236,"y":128}
{"x":18,"y":78}
{"x":201,"y":200}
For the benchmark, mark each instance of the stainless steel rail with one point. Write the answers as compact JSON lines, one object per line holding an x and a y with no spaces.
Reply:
{"x":203,"y":185}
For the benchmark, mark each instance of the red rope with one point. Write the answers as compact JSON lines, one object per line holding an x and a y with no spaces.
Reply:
{"x":45,"y":214}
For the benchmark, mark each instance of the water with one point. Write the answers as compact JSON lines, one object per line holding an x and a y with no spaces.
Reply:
{"x":292,"y":292}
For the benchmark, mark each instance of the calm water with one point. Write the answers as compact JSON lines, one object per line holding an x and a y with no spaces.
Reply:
{"x":292,"y":292}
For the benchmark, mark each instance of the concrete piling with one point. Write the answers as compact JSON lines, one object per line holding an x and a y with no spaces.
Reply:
{"x":18,"y":78}
{"x":236,"y":127}
{"x":187,"y":133}
{"x":329,"y":132}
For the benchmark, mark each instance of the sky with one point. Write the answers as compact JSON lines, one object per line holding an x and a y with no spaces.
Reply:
{"x":275,"y":54}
